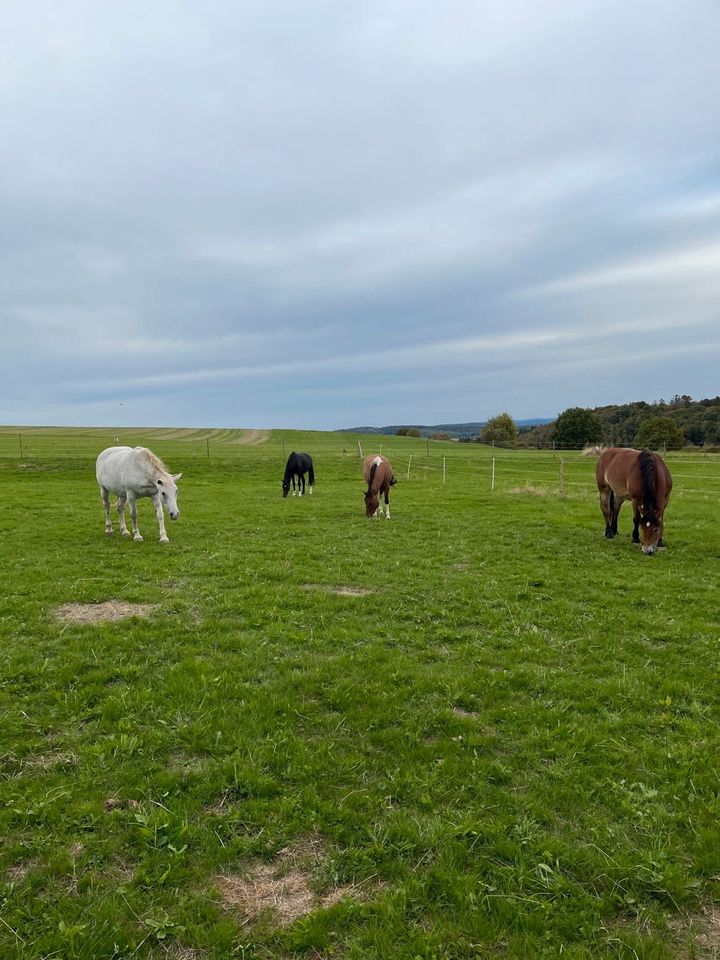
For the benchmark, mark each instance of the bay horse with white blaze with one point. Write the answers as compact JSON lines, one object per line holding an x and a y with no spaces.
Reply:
{"x":298,"y":465}
{"x":132,"y":473}
{"x":378,"y":475}
{"x":641,"y":477}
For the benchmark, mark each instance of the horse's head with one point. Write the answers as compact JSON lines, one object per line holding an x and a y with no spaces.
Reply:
{"x":166,"y":486}
{"x":286,"y":487}
{"x":372,"y":501}
{"x":652,"y":528}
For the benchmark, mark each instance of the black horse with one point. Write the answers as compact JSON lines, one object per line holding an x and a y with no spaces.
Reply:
{"x":297,"y":466}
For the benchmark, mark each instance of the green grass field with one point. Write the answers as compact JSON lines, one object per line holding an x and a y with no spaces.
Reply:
{"x":477,"y":730}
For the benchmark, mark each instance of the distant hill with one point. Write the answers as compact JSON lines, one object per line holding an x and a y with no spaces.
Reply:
{"x":456,"y":430}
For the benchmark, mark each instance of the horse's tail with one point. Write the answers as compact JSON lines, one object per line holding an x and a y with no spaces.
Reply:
{"x":648,"y":476}
{"x":393,"y":481}
{"x":311,"y":472}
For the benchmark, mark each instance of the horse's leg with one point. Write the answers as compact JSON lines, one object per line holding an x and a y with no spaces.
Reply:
{"x":615,"y":504}
{"x":606,"y":498}
{"x":301,"y":484}
{"x":636,"y":522}
{"x":387,"y":503}
{"x":137,"y":537}
{"x":105,"y":494}
{"x":122,"y":498}
{"x":293,"y":483}
{"x":157,"y":501}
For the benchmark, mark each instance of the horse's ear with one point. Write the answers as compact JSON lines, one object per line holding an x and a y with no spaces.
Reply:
{"x":176,"y":477}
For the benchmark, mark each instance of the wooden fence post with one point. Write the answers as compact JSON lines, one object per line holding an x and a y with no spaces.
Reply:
{"x":443,"y":470}
{"x":492,"y":482}
{"x":360,"y":450}
{"x":562,"y":477}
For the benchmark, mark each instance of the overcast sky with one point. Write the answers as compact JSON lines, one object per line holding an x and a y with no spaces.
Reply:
{"x":328,"y":214}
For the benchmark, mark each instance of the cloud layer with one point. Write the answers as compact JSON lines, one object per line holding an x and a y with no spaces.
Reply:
{"x":325,"y":214}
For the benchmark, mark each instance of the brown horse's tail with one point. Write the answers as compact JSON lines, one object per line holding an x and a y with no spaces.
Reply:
{"x":393,"y":481}
{"x":648,"y":475}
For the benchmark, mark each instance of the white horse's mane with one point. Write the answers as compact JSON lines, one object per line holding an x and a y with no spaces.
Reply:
{"x":154,"y":461}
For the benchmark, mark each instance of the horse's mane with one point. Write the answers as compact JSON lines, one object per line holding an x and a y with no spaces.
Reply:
{"x":373,"y":468}
{"x":648,"y":475}
{"x":289,"y":466}
{"x":154,"y":461}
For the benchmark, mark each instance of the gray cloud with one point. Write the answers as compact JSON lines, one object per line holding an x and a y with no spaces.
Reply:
{"x":234,"y":214}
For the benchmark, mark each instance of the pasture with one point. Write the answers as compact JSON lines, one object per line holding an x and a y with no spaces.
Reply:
{"x":477,"y":730}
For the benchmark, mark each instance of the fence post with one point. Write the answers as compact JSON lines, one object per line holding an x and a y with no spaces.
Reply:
{"x":427,"y":448}
{"x":562,"y":477}
{"x":21,"y":449}
{"x":408,"y":469}
{"x":207,"y":444}
{"x":283,"y":443}
{"x":492,"y":482}
{"x":360,"y":450}
{"x":443,"y":470}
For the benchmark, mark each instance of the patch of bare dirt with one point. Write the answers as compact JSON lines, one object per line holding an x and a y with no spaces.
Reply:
{"x":462,"y":712}
{"x":176,"y":951}
{"x":101,"y":612}
{"x":18,"y":872}
{"x":253,"y":437}
{"x":118,"y":803}
{"x":700,"y":933}
{"x":47,"y":761}
{"x":284,"y":887}
{"x":185,"y":763}
{"x":343,"y":590}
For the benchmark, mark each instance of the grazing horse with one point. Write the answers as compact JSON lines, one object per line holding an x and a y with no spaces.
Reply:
{"x":378,"y":475}
{"x":131,"y":473}
{"x":297,"y":466}
{"x":641,"y":477}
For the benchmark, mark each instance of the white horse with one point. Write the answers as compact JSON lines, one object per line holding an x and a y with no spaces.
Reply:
{"x":133,"y":472}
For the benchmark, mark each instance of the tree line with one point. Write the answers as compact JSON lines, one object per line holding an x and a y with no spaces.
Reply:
{"x":666,"y":424}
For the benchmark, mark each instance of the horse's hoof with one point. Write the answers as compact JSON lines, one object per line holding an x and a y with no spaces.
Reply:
{"x":164,"y":540}
{"x":137,"y":538}
{"x":109,"y":533}
{"x":126,"y":533}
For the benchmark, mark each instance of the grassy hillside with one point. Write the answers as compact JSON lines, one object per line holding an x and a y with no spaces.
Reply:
{"x":477,"y":730}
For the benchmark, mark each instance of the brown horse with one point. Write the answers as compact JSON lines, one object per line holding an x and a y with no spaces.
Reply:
{"x":642,"y":477}
{"x":378,"y":476}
